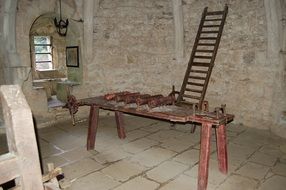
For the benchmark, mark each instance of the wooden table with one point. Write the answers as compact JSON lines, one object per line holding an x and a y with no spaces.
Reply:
{"x":208,"y":120}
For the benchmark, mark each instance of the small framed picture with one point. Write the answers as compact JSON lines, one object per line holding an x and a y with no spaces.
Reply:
{"x":72,"y":56}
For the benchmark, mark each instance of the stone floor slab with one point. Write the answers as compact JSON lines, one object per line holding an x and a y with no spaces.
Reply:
{"x":139,"y":145}
{"x":215,"y":176}
{"x":280,"y":169}
{"x":81,"y":168}
{"x":183,"y":182}
{"x":153,"y":156}
{"x":123,"y":170}
{"x":166,"y":171}
{"x":177,"y":145}
{"x":49,"y":150}
{"x":58,"y":161}
{"x":165,"y":135}
{"x":95,"y":180}
{"x":135,"y":134}
{"x":264,"y":159}
{"x":236,"y":182}
{"x":111,"y":155}
{"x":76,"y":154}
{"x":156,"y":127}
{"x":253,"y":170}
{"x":189,"y":158}
{"x":274,"y":183}
{"x":138,"y":183}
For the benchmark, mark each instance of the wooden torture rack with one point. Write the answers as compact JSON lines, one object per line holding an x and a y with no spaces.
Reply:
{"x":186,"y":106}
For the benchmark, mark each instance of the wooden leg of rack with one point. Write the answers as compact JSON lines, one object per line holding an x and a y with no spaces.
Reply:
{"x":92,"y":127}
{"x":204,"y":156}
{"x":120,"y":125}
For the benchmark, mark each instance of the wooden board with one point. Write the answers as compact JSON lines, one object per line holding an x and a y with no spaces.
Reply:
{"x":171,"y":113}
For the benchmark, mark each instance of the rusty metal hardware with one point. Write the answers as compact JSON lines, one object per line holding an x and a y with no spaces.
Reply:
{"x":223,"y":109}
{"x":168,"y":100}
{"x":142,"y":101}
{"x":132,"y":99}
{"x":174,"y":92}
{"x":205,"y":106}
{"x":220,"y":110}
{"x":121,"y":98}
{"x":111,"y":96}
{"x":73,"y":105}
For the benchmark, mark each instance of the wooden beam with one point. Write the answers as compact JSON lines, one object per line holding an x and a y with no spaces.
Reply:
{"x":88,"y":17}
{"x":8,"y":168}
{"x":204,"y":156}
{"x":179,"y":28}
{"x":92,"y":127}
{"x":21,"y":137}
{"x":120,"y":125}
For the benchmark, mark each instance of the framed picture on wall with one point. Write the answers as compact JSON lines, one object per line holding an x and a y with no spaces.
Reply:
{"x":72,"y":56}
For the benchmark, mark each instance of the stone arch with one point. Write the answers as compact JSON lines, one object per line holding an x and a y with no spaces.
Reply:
{"x":14,"y":70}
{"x":44,"y":26}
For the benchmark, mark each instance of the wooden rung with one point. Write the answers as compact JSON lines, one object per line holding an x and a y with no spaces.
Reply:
{"x":194,"y":90}
{"x":197,"y":77}
{"x":204,"y":50}
{"x":193,"y":97}
{"x":202,"y":57}
{"x":206,"y":44}
{"x":213,"y":19}
{"x":211,"y":26}
{"x":195,"y":84}
{"x":207,"y":38}
{"x":201,"y":64}
{"x":210,"y":32}
{"x":198,"y":71}
{"x":215,"y":13}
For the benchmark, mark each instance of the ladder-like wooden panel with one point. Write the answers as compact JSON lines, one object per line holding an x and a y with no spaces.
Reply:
{"x":202,"y":59}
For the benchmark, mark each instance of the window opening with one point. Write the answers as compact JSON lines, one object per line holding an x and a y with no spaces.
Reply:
{"x":43,"y":53}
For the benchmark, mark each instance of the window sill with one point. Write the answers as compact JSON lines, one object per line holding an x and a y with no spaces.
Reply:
{"x":46,"y":70}
{"x":37,"y":87}
{"x":50,"y":79}
{"x":69,"y":83}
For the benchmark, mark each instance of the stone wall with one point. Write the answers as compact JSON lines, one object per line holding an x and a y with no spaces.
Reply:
{"x":241,"y":77}
{"x":133,"y":47}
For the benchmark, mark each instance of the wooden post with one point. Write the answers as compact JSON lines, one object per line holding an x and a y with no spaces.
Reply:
{"x":88,"y":17}
{"x":22,"y":161}
{"x":120,"y":125}
{"x":179,"y":28}
{"x":221,"y":148}
{"x":92,"y":127}
{"x":204,"y":155}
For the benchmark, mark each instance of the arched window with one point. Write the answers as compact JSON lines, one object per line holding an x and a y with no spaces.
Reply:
{"x":43,"y":53}
{"x":48,"y":48}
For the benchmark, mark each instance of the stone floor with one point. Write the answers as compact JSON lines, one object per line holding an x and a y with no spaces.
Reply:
{"x":157,"y":156}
